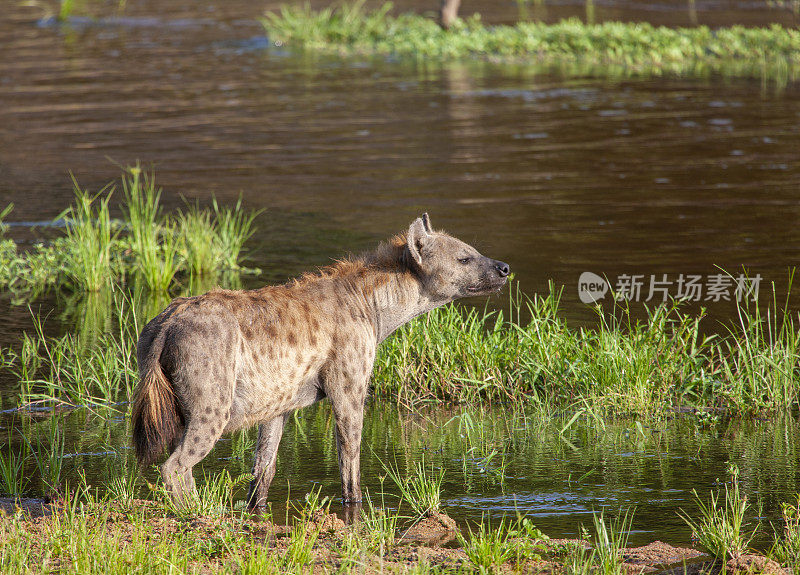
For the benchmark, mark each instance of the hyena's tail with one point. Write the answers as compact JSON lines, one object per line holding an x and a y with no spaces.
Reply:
{"x":156,"y":415}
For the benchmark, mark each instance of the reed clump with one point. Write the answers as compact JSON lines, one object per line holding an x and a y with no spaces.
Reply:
{"x":145,"y":247}
{"x":640,"y":47}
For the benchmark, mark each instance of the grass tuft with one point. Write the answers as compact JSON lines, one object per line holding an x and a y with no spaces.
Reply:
{"x":153,"y":240}
{"x":787,"y":546}
{"x":420,"y":489}
{"x":720,"y":528}
{"x":13,"y":480}
{"x":487,"y":548}
{"x":97,"y":251}
{"x":89,"y":240}
{"x":234,"y":227}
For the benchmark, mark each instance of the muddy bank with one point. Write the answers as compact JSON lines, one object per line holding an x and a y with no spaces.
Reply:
{"x":61,"y":538}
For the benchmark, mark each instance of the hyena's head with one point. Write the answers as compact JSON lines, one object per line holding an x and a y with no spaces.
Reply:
{"x":449,"y":268}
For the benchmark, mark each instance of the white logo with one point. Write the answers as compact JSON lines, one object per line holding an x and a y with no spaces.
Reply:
{"x":591,"y":287}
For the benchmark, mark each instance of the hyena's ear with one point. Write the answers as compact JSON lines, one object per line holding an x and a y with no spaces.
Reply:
{"x":418,"y":234}
{"x":426,"y":222}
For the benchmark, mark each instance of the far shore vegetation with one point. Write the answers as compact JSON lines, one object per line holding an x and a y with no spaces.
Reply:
{"x":637,"y":48}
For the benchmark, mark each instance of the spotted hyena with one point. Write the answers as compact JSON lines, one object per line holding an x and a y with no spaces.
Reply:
{"x":225,"y":360}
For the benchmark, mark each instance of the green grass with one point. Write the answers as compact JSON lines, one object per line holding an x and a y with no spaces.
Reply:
{"x":48,"y":453}
{"x":145,"y":248}
{"x":720,"y":528}
{"x":377,"y":527}
{"x":68,"y":9}
{"x":61,"y":371}
{"x":761,"y":356}
{"x":786,"y":549}
{"x":609,"y":541}
{"x":89,"y":240}
{"x":487,"y":548}
{"x":214,"y":496}
{"x":622,"y":366}
{"x":420,"y":489}
{"x":13,"y":480}
{"x":153,"y":240}
{"x":637,"y":47}
{"x":234,"y":227}
{"x":604,"y":557}
{"x":513,"y":541}
{"x":199,"y":248}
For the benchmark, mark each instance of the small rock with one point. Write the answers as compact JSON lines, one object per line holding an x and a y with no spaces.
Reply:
{"x":436,"y":529}
{"x":329,"y":523}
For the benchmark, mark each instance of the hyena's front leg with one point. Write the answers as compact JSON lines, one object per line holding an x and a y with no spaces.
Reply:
{"x":346,"y":386}
{"x":349,"y":420}
{"x":269,"y":437}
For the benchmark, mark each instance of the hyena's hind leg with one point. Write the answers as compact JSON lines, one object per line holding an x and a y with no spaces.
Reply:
{"x":269,"y":437}
{"x":203,"y":430}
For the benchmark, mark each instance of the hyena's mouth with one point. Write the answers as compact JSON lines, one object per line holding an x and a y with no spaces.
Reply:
{"x":486,"y":287}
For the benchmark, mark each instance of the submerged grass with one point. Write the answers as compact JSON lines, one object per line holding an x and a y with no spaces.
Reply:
{"x":640,"y":47}
{"x":61,"y":371}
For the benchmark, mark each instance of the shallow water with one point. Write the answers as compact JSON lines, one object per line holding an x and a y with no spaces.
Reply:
{"x":497,"y":463}
{"x":555,"y":171}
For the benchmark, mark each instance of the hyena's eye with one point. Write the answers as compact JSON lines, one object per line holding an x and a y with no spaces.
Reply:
{"x":465,"y":260}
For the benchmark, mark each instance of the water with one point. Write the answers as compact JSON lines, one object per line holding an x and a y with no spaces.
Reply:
{"x":554,"y":172}
{"x":498,"y":463}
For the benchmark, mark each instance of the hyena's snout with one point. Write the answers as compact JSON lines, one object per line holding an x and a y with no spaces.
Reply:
{"x":502,"y":269}
{"x":492,"y":276}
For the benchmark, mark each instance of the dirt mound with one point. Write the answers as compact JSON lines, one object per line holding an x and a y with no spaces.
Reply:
{"x":756,"y":564}
{"x":435,"y":529}
{"x":658,"y":554}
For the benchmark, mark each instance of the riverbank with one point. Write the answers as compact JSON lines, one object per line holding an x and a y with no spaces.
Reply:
{"x":633,"y":48}
{"x":84,"y":534}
